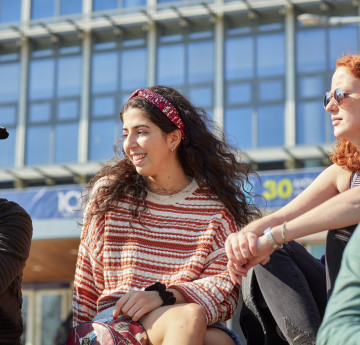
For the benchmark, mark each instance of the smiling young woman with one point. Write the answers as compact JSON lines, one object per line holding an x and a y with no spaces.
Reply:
{"x":156,"y":221}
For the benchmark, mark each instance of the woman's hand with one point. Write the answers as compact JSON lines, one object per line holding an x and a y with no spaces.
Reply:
{"x":264,"y":250}
{"x":244,"y":251}
{"x":240,"y":248}
{"x":136,"y":304}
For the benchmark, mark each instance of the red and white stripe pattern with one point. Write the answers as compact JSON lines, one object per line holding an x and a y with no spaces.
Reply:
{"x":180,"y":244}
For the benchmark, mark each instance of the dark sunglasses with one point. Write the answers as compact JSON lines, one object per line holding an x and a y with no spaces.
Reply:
{"x":338,"y":96}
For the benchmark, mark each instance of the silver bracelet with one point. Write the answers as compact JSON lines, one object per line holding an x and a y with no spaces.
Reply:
{"x":267,"y":233}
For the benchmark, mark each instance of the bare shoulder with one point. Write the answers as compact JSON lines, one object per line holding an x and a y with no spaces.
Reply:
{"x":332,"y":181}
{"x":342,"y":178}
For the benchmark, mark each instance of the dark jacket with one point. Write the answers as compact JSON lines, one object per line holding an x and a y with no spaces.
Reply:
{"x":15,"y":239}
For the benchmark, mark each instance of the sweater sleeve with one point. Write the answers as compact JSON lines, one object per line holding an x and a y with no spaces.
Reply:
{"x":89,"y":279}
{"x":341,"y":323}
{"x":214,"y":290}
{"x":15,"y":240}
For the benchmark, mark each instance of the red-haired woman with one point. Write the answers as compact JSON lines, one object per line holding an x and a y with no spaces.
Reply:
{"x":331,"y":202}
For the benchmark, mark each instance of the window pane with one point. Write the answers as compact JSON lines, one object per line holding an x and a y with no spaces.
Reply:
{"x":69,"y":76}
{"x":42,"y":8}
{"x":66,"y":143}
{"x":102,"y":139}
{"x":104,"y":45}
{"x":343,"y":39}
{"x":70,"y":7}
{"x":7,"y":150}
{"x":311,"y":41}
{"x":9,"y":85}
{"x":43,"y":52}
{"x":312,"y":87}
{"x":50,"y":317}
{"x":41,"y":79}
{"x":239,"y":93}
{"x":271,"y":125}
{"x":201,"y":62}
{"x":9,"y":56}
{"x":202,"y":96}
{"x":40,"y":112}
{"x":68,"y":110}
{"x":270,"y":55}
{"x":133,"y":42}
{"x":38,"y":145}
{"x":133,"y":3}
{"x":69,"y":50}
{"x":310,"y":123}
{"x":171,"y":37}
{"x":103,"y":106}
{"x":239,"y":30}
{"x":133,"y":69}
{"x":271,"y":90}
{"x":104,"y":72}
{"x":196,"y":35}
{"x":8,"y":115}
{"x":271,"y":27}
{"x":238,"y":127}
{"x":239,"y":58}
{"x":101,"y":5}
{"x":171,"y":65}
{"x":10,"y":11}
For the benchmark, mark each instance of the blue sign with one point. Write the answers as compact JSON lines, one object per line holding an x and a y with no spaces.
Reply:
{"x":275,"y":189}
{"x":48,"y":203}
{"x":279,"y":188}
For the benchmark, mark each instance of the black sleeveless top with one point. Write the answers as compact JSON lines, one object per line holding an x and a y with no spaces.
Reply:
{"x":336,"y":242}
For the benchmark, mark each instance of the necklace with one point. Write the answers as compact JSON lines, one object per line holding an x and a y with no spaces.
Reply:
{"x":164,"y":191}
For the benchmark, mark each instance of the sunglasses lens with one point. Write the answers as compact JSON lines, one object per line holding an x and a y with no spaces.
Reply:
{"x":326,"y":99}
{"x":339,"y":96}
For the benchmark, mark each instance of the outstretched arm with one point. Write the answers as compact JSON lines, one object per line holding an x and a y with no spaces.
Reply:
{"x":312,"y":211}
{"x":340,"y":211}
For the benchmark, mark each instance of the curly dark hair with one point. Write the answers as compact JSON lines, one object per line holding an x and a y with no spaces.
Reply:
{"x":204,"y":156}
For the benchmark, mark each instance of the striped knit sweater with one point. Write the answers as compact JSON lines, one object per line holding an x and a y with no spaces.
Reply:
{"x":181,"y":245}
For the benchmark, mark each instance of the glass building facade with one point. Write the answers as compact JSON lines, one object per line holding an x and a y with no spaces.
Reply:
{"x":68,"y":66}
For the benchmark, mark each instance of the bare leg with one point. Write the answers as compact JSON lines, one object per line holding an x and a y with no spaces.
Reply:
{"x":180,"y":324}
{"x":215,"y":336}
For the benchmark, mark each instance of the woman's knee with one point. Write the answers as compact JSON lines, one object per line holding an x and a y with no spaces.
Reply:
{"x":191,"y":314}
{"x":174,"y":322}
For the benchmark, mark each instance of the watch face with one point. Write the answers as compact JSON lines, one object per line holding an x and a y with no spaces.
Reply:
{"x":267,"y":233}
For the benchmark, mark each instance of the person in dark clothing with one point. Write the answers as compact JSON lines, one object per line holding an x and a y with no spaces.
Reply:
{"x":15,"y":240}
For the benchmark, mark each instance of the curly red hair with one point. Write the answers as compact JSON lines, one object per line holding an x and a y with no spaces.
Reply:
{"x":345,"y":153}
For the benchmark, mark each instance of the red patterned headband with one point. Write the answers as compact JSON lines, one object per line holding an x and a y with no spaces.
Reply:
{"x":164,"y":105}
